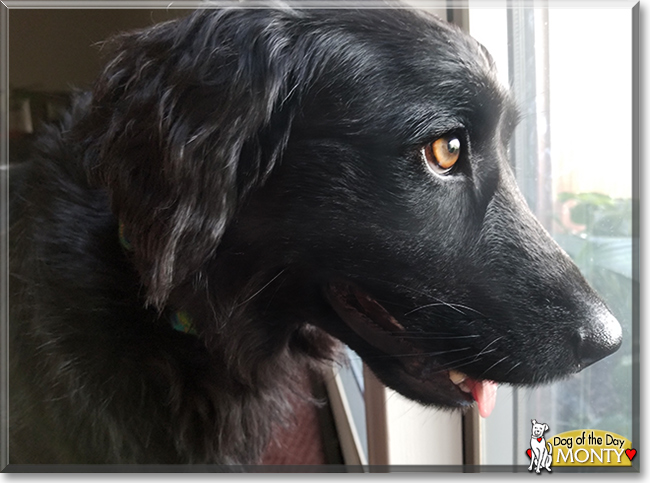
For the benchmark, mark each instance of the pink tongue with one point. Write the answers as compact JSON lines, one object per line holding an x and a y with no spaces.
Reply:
{"x":485,"y":395}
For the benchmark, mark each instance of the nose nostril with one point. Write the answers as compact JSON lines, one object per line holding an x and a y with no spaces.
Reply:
{"x":599,"y":340}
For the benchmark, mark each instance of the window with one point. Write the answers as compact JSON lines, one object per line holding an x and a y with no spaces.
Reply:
{"x":573,"y":158}
{"x":573,"y":105}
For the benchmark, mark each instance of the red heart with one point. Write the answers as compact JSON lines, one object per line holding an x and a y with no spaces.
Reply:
{"x":539,"y":440}
{"x":631,"y":453}
{"x":529,"y":453}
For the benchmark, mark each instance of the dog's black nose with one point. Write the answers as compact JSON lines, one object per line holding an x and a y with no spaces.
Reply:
{"x":600,"y":339}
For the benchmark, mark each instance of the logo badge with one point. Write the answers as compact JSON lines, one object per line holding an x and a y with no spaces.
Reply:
{"x":581,"y":447}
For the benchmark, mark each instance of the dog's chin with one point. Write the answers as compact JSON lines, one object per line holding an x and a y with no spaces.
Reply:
{"x":400,"y":364}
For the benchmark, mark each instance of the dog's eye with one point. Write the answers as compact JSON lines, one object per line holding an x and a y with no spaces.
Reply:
{"x":442,"y":154}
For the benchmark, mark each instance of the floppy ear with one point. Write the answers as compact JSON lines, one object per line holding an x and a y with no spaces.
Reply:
{"x":533,"y":421}
{"x":187,"y":118}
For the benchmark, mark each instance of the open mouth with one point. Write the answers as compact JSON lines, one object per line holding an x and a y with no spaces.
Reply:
{"x":420,"y":375}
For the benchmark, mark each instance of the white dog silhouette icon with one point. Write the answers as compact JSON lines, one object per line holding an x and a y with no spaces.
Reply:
{"x":541,"y":452}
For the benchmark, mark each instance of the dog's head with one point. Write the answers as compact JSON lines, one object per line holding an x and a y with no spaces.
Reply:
{"x":346,"y":170}
{"x":538,"y":429}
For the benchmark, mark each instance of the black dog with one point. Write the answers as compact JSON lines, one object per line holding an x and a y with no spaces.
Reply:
{"x":269,"y":179}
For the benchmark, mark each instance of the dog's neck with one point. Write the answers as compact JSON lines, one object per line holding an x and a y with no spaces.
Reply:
{"x":180,"y":320}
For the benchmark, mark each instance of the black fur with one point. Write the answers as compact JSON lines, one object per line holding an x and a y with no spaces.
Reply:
{"x":267,"y":167}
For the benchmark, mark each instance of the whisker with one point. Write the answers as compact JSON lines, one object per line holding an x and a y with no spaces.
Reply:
{"x":429,"y":332}
{"x":419,"y":354}
{"x":473,"y":358}
{"x":428,"y":295}
{"x":439,"y":353}
{"x":409,"y":289}
{"x":483,"y":350}
{"x":437,"y":304}
{"x":451,"y":305}
{"x":436,"y":337}
{"x":493,"y":365}
{"x":513,"y":368}
{"x":470,"y":359}
{"x":455,"y":364}
{"x":260,"y":290}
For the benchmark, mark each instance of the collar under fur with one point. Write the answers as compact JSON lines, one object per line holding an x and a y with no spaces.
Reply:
{"x":180,"y":320}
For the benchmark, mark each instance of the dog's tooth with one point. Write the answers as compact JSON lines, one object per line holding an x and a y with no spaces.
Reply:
{"x":456,"y":377}
{"x":464,"y":387}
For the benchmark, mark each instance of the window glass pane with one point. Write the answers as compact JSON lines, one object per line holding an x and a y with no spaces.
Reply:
{"x":490,"y":27}
{"x":351,"y":374}
{"x":578,"y":181}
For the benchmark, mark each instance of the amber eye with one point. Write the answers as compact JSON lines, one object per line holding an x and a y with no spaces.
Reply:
{"x":442,"y":154}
